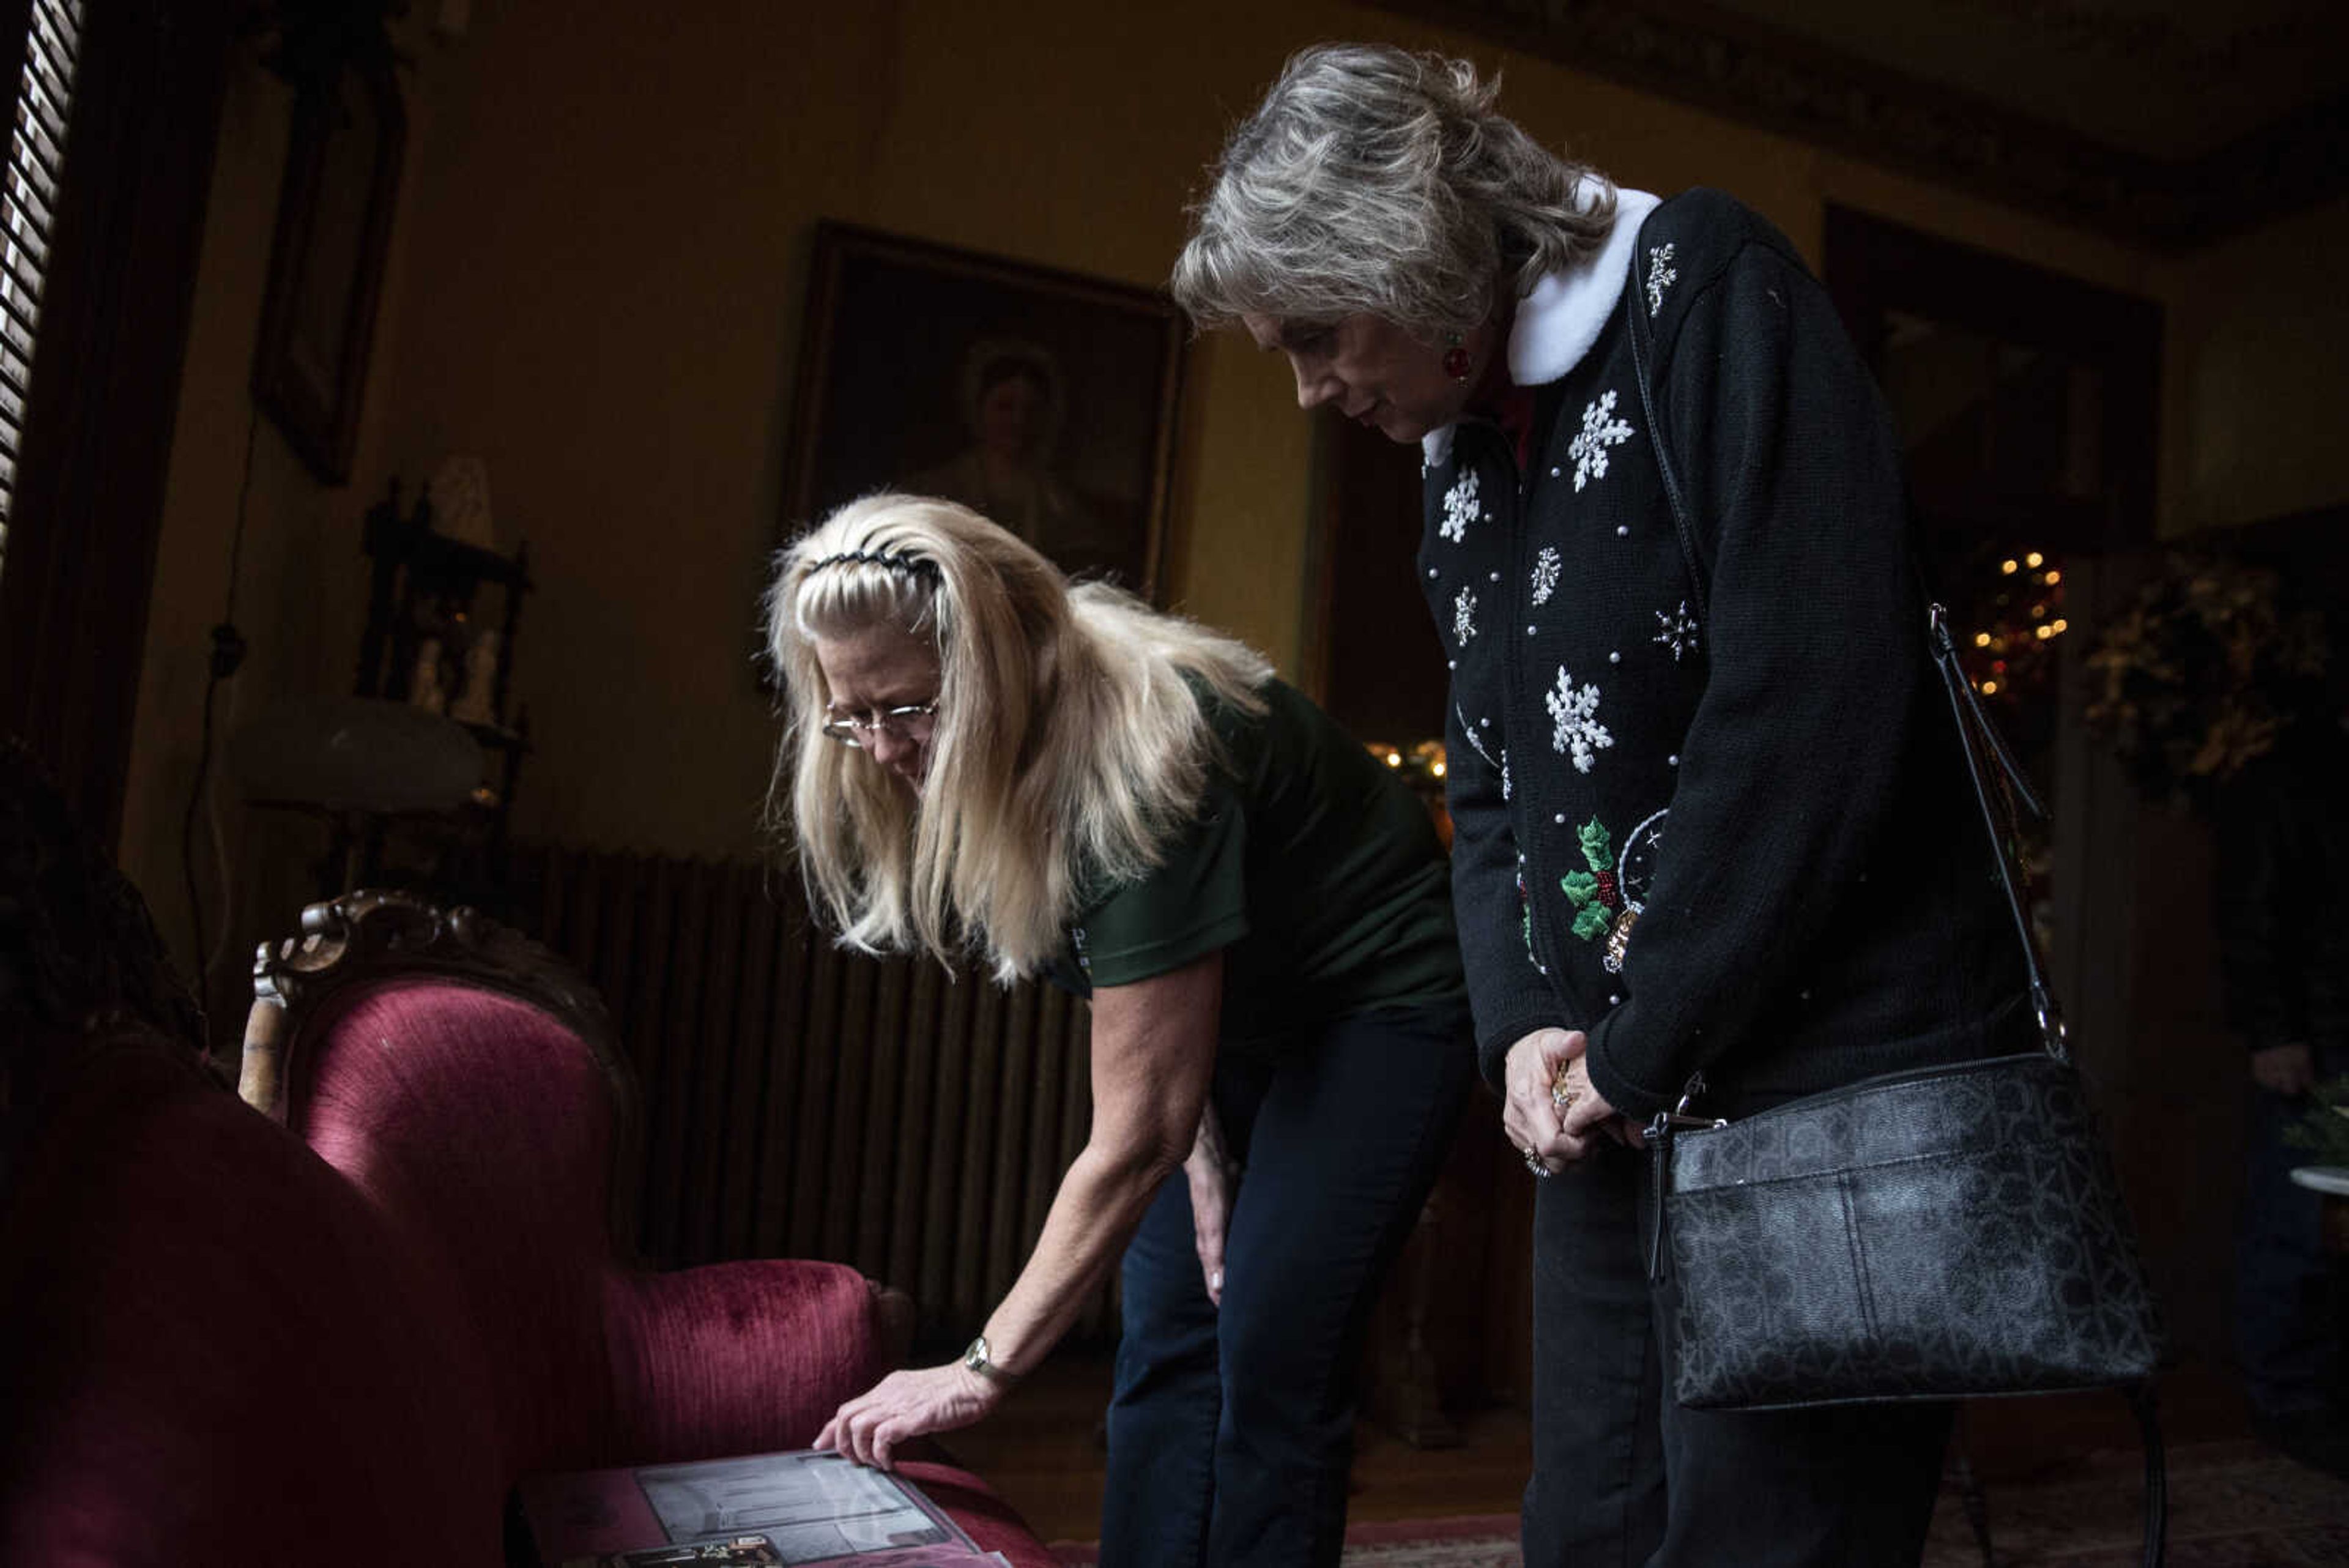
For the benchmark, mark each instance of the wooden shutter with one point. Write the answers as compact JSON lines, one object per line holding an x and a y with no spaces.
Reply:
{"x":28,"y":204}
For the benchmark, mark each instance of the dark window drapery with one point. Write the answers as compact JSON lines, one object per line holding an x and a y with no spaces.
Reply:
{"x":124,"y":226}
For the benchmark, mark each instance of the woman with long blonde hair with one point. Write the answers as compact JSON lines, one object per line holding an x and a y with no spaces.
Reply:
{"x":985,"y":761}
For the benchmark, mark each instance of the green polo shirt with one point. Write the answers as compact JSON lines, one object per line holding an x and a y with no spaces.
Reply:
{"x":1309,"y":863}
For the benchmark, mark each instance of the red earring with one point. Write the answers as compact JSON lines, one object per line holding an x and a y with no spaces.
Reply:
{"x":1455,"y":359}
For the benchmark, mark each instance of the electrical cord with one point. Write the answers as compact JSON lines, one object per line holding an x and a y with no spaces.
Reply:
{"x":229,"y":649}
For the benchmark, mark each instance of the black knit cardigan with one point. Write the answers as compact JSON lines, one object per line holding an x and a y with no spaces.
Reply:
{"x":1720,"y":829}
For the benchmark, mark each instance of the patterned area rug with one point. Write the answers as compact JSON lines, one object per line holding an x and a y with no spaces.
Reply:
{"x":1475,"y":1541}
{"x":2231,"y":1505}
{"x":1484,"y":1540}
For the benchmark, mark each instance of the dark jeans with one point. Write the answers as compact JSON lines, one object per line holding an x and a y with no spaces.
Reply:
{"x":2287,"y":1331}
{"x":1231,"y":1431}
{"x":1623,"y":1475}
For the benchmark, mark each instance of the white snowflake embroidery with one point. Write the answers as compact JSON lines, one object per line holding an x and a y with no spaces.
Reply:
{"x":1661,"y":276}
{"x":1460,"y":508}
{"x":1600,"y":430}
{"x":1679,"y":630}
{"x":1468,"y":731}
{"x":1463,"y":617}
{"x":1505,"y":772}
{"x":1574,"y":711}
{"x":1545,"y":569}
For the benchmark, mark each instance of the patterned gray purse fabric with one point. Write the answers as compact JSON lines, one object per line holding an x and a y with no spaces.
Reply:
{"x":1933,"y":1234}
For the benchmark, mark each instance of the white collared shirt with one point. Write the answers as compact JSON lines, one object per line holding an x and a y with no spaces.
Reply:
{"x":1557,"y":322}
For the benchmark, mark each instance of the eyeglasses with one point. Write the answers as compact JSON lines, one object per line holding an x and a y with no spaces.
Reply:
{"x":911,"y":724}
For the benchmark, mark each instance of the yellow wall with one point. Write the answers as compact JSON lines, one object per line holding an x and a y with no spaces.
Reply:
{"x":299,"y":580}
{"x":597,"y":282}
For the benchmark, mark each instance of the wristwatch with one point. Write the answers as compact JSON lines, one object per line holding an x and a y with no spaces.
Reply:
{"x":977,"y":1359}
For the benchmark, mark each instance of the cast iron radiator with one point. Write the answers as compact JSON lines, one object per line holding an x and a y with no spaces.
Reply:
{"x":800,"y":1101}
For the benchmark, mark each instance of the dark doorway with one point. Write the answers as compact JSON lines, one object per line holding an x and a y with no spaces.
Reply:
{"x":1372,"y":656}
{"x":2027,"y":402}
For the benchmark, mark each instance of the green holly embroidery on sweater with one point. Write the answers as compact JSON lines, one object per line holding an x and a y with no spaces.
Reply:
{"x":1592,"y":919}
{"x":1598,"y":845}
{"x":1593,"y":893}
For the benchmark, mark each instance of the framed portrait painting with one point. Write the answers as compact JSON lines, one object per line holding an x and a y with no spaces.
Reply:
{"x":326,"y":262}
{"x":1043,"y":400}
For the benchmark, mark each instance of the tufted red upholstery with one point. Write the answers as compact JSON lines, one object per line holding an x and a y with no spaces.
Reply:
{"x":223,"y":1342}
{"x":482,"y":1127}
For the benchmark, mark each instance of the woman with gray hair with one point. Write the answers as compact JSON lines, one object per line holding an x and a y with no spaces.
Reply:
{"x":1705,"y":851}
{"x":987,"y":761}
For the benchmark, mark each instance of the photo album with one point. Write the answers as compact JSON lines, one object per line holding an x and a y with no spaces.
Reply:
{"x":805,"y":1506}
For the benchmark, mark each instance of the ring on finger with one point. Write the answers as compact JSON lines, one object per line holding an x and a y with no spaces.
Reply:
{"x":1533,"y":1162}
{"x":1562,"y":1093}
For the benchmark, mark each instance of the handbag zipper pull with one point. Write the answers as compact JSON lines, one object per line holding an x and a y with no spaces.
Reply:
{"x":1659,"y":1174}
{"x":1689,"y":1091}
{"x":1659,"y":1164}
{"x":2051,"y":1032}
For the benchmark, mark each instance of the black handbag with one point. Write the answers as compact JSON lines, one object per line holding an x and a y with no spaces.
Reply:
{"x":1945,"y":1233}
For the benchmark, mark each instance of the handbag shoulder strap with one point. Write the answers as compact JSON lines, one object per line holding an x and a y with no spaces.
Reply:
{"x":1976,"y":733}
{"x":1642,"y":351}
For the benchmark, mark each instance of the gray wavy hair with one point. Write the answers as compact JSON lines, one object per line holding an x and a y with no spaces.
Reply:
{"x":1375,"y":180}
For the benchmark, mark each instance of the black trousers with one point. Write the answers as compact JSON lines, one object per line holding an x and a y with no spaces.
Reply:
{"x":1624,"y":1476}
{"x":1231,"y":1431}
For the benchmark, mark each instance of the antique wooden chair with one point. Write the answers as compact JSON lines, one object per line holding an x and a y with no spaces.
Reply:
{"x":344,"y":1320}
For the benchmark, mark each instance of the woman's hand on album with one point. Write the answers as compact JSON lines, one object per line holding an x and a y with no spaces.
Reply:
{"x":906,"y":1405}
{"x":1209,"y":1172}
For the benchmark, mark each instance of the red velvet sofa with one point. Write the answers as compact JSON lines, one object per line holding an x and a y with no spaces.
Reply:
{"x":338,"y":1323}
